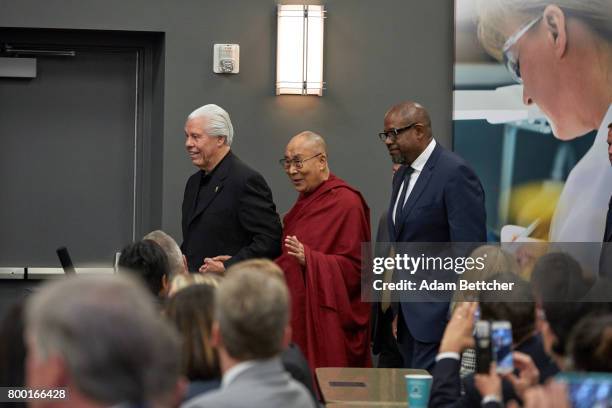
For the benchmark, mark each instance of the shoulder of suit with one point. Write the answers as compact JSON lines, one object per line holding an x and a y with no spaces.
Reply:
{"x":194,"y":176}
{"x":241,"y":168}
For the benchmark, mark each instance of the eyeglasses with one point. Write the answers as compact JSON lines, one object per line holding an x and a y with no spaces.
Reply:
{"x":394,"y":133}
{"x":511,"y":60}
{"x":297,"y":163}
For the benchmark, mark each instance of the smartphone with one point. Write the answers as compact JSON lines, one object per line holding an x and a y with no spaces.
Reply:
{"x":484,"y":353}
{"x":501,"y":339}
{"x":588,"y":390}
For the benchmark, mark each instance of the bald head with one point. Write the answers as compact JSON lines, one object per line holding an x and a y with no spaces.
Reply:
{"x":310,"y":140}
{"x":306,"y":156}
{"x":408,"y":128}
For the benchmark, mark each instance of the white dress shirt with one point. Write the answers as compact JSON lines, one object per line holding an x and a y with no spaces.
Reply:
{"x":417,"y":166}
{"x":580,"y":215}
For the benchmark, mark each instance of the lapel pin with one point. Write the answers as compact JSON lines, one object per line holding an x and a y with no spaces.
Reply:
{"x":216,"y":189}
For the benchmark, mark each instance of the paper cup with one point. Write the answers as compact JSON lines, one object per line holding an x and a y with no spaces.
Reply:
{"x":417,"y":388}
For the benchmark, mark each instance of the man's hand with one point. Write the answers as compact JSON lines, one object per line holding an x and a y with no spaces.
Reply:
{"x":295,"y":249}
{"x":529,"y":375}
{"x":459,"y":332}
{"x":214,"y":265}
{"x":489,"y":385}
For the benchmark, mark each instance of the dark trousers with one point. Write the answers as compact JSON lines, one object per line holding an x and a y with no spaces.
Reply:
{"x":385,"y":343}
{"x":416,"y":354}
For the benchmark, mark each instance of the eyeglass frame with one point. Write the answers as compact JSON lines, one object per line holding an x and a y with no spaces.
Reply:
{"x":286,"y":164}
{"x":511,"y":61}
{"x":395,"y":132}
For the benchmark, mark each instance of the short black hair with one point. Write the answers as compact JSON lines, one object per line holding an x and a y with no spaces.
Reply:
{"x":148,"y":261}
{"x":557,"y":277}
{"x":590,"y":345}
{"x":516,"y":306}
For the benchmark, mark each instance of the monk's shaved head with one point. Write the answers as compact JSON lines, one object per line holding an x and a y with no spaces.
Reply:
{"x":410,"y":112}
{"x":307,"y":155}
{"x":310,"y":140}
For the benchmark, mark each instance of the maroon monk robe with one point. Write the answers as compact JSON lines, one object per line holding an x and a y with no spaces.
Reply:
{"x":328,"y":319}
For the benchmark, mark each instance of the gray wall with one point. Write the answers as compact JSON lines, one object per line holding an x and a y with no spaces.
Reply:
{"x":376,"y":54}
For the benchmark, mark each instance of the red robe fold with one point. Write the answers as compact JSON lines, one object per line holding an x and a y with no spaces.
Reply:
{"x":328,"y":319}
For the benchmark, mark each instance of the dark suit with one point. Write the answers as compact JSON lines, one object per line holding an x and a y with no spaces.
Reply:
{"x":229,"y":212}
{"x":383,"y":343}
{"x":445,"y":205}
{"x":446,"y":386}
{"x":605,"y":260}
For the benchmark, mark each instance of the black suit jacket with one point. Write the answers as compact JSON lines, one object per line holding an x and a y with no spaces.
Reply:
{"x":446,"y":387}
{"x":237,"y":217}
{"x":445,"y":205}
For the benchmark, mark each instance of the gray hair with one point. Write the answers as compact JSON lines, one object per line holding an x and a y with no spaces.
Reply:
{"x":109,"y":333}
{"x":218,"y":122}
{"x":494,"y":14}
{"x":252,"y":309}
{"x":172,"y":250}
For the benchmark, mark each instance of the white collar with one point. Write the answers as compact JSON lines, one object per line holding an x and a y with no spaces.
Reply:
{"x":231,"y":374}
{"x":420,"y":161}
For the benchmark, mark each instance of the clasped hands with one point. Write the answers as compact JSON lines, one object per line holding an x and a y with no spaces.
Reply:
{"x":214,"y":265}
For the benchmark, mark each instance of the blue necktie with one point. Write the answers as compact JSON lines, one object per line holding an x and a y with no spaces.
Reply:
{"x":399,"y":210}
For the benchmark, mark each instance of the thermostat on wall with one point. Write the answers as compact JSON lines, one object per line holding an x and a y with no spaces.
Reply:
{"x":226,"y":58}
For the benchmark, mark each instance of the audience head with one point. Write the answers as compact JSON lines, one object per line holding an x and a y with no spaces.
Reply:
{"x":252,"y":313}
{"x":186,"y":280}
{"x":516,"y":306}
{"x":560,"y":286}
{"x":559,"y":320}
{"x":590,"y":345}
{"x":557,"y":276}
{"x":191,"y":310}
{"x":147,"y":260}
{"x":208,"y":136}
{"x":496,"y":261}
{"x":305,"y":161}
{"x":102,"y":338}
{"x":177,"y":263}
{"x":407,"y":131}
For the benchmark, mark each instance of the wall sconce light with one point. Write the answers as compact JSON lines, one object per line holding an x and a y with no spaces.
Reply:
{"x":299,"y":53}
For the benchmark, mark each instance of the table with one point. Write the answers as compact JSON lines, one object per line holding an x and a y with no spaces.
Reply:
{"x":366,"y":387}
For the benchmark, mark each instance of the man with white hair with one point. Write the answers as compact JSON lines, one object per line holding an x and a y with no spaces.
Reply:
{"x":101,"y":339}
{"x":228,"y":211}
{"x":177,"y":263}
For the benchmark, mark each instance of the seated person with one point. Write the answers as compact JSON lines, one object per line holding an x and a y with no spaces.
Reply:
{"x":186,"y":280}
{"x":517,"y":307}
{"x":249,"y":332}
{"x":590,"y":345}
{"x":147,"y":260}
{"x":191,"y":311}
{"x":101,"y":338}
{"x":564,"y":297}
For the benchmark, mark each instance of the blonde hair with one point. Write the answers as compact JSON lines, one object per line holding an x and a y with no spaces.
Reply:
{"x":182,"y":281}
{"x":493,"y":16}
{"x":497,"y":261}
